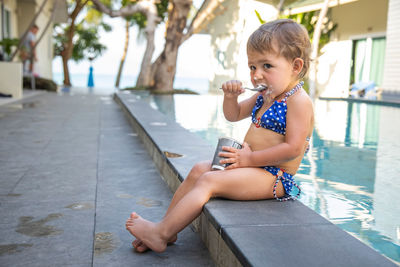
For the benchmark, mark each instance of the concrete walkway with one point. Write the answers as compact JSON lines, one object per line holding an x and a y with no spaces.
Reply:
{"x":71,"y":172}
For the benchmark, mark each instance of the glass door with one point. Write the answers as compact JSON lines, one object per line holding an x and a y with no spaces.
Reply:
{"x":368,"y":60}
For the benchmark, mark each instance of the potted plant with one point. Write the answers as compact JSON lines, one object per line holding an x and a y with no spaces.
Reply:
{"x":7,"y":44}
{"x":10,"y":72}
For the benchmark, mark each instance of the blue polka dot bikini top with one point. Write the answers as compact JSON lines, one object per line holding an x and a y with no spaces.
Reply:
{"x":274,"y":118}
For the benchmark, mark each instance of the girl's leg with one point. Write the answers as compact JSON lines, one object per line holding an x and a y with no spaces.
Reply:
{"x":198,"y":170}
{"x":195,"y":173}
{"x":237,"y":184}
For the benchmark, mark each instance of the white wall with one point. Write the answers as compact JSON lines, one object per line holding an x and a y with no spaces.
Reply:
{"x":361,"y":19}
{"x":11,"y":78}
{"x":229,"y":32}
{"x":333,"y":77}
{"x":44,"y":51}
{"x":391,"y":77}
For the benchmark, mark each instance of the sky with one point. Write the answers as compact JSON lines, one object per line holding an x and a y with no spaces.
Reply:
{"x":193,"y":56}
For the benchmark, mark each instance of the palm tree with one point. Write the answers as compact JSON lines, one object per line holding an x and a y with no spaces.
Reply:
{"x":160,"y":75}
{"x":315,"y":48}
{"x":75,"y":38}
{"x":153,"y":13}
{"x":121,"y":64}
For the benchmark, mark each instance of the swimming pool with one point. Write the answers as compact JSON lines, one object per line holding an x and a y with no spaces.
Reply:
{"x":351,"y":174}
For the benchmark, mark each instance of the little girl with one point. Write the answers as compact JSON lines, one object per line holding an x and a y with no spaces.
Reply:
{"x":282,"y":123}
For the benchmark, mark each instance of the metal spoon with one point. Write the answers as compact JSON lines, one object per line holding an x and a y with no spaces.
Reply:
{"x":258,"y":88}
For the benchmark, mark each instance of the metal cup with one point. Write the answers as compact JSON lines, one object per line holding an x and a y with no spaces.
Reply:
{"x":223,"y":141}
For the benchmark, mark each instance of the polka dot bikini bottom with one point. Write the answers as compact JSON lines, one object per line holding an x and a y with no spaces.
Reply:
{"x":287,"y":182}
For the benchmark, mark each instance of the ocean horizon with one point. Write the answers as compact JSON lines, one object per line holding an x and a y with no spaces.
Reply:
{"x":105,"y":83}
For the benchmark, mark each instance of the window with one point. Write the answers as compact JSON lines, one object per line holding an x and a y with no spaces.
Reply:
{"x":368,"y":60}
{"x":6,"y":23}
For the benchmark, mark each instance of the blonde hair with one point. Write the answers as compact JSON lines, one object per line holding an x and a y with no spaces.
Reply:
{"x":290,"y":38}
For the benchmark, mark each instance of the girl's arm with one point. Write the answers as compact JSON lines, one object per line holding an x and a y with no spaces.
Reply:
{"x":299,"y":120}
{"x":233,"y":110}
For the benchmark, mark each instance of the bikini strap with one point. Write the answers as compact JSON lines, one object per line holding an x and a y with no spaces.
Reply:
{"x":308,"y":145}
{"x":286,"y":197}
{"x":294,"y":90}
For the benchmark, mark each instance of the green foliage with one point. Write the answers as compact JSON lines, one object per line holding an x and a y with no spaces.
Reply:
{"x":309,"y":20}
{"x":7,"y":44}
{"x":93,"y":16}
{"x":87,"y":45}
{"x":140,"y":19}
{"x":86,"y":37}
{"x":59,"y":38}
{"x":86,"y":41}
{"x":40,"y":83}
{"x":162,"y":8}
{"x":137,"y":88}
{"x":259,"y":17}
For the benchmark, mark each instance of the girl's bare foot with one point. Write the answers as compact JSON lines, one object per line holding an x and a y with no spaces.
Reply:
{"x":141,"y":247}
{"x":146,"y":231}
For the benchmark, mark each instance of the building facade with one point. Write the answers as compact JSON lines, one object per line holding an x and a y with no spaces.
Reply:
{"x":234,"y":22}
{"x":391,"y":77}
{"x":363,"y":48}
{"x":17,"y":15}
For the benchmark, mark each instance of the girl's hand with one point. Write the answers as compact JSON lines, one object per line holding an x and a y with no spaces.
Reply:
{"x":232,"y":88}
{"x":238,"y":158}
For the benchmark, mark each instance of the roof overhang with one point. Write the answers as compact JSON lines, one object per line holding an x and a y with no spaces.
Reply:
{"x":61,"y":12}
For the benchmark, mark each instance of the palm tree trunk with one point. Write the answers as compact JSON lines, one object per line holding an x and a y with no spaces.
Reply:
{"x":121,"y":64}
{"x":67,"y":53}
{"x":144,"y":78}
{"x":66,"y":81}
{"x":165,"y":65}
{"x":149,"y":8}
{"x":279,"y":8}
{"x":160,"y":75}
{"x":314,"y":50}
{"x":69,"y":45}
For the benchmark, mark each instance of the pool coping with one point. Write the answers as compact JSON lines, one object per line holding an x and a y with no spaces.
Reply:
{"x":363,"y":100}
{"x":245,"y":233}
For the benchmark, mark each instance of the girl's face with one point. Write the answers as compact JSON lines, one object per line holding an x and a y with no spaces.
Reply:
{"x":276,"y":72}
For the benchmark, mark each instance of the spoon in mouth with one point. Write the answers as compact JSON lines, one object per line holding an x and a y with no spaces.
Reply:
{"x":258,"y":88}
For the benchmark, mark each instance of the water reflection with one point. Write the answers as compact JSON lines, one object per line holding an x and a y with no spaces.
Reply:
{"x":76,"y":90}
{"x":165,"y":103}
{"x":350,"y":175}
{"x":354,"y":145}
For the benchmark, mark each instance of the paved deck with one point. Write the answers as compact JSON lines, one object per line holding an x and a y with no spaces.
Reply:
{"x":72,"y":169}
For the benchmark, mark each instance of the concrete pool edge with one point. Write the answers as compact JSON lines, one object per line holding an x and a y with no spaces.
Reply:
{"x":245,"y":233}
{"x":364,"y":100}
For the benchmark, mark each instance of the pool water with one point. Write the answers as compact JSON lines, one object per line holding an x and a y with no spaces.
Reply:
{"x":351,"y":173}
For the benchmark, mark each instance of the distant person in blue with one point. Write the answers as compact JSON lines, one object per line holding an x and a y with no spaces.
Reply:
{"x":282,"y":123}
{"x":90,"y":83}
{"x":28,"y":51}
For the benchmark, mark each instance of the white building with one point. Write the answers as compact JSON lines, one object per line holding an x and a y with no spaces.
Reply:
{"x":15,"y":18}
{"x":364,"y":47}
